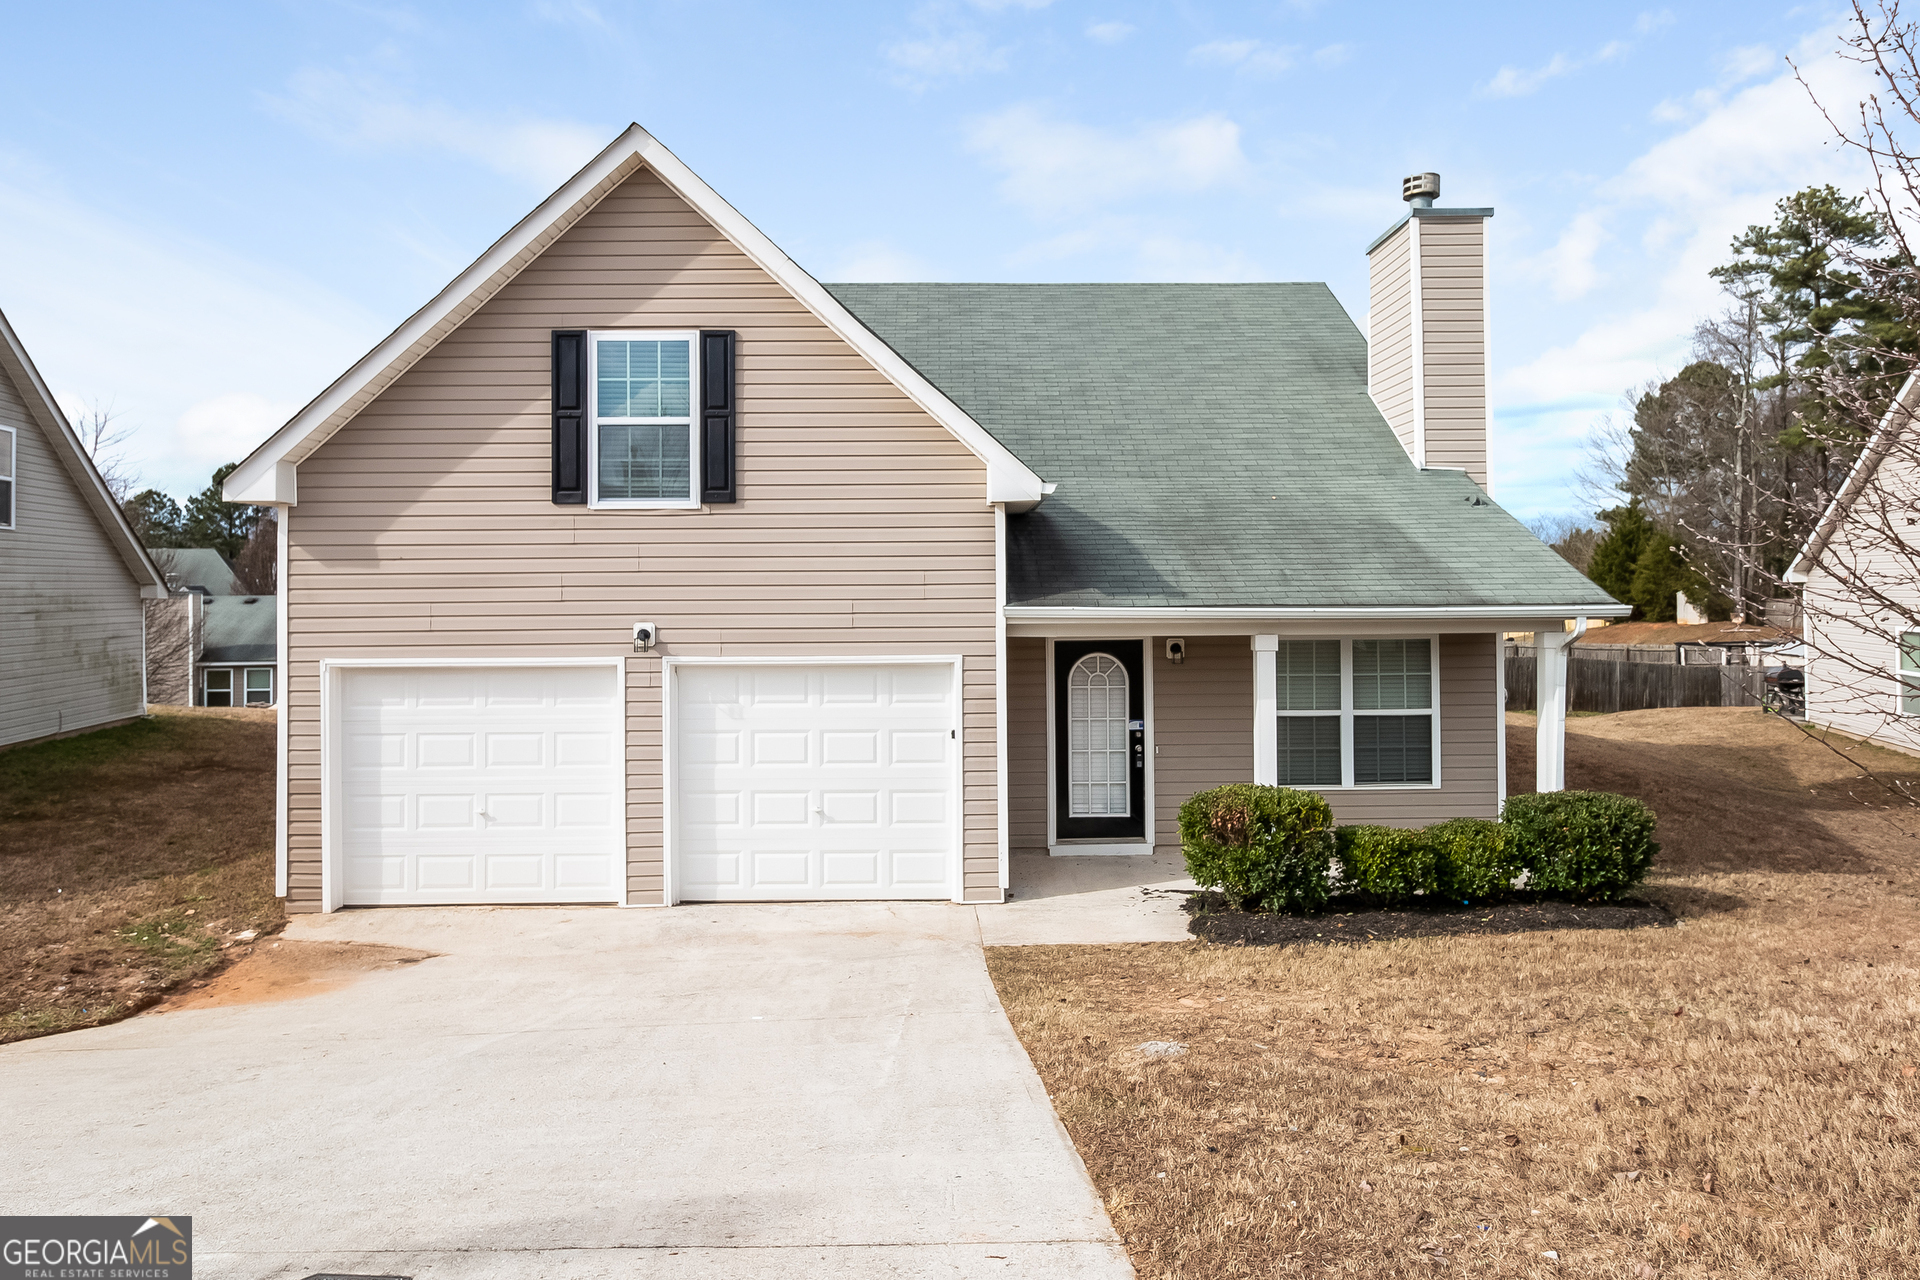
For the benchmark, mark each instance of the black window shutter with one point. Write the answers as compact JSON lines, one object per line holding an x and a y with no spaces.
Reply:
{"x":570,"y":417}
{"x":717,"y":413}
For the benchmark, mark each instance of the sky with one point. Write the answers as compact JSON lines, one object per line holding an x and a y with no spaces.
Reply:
{"x":208,"y":212}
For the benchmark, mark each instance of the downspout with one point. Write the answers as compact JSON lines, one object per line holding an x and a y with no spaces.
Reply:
{"x":1002,"y":817}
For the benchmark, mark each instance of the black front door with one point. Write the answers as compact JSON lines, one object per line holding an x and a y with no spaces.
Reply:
{"x":1099,"y":740}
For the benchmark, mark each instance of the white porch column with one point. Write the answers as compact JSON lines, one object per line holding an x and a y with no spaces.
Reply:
{"x":1266,"y":709}
{"x":1550,"y":705}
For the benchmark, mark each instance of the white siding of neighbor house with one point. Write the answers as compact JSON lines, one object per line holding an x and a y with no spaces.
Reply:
{"x":1858,"y":693}
{"x":425,"y":527}
{"x":70,"y":609}
{"x":1203,"y":737}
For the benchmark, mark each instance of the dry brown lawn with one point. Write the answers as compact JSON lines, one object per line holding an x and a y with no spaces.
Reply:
{"x":1733,"y":1097}
{"x":130,"y":860}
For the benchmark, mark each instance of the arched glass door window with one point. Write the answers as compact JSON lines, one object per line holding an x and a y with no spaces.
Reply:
{"x":1097,"y":738}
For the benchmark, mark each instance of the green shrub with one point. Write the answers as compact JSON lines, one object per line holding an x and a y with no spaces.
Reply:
{"x":1476,"y":859}
{"x":1585,"y":844}
{"x":1389,"y":863}
{"x":1270,"y":848}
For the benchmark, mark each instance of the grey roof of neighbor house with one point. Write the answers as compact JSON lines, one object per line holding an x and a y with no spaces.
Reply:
{"x":188,"y":567}
{"x":1214,"y":446}
{"x":240,"y":629}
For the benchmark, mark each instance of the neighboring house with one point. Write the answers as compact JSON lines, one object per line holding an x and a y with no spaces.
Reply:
{"x":1859,"y":576}
{"x":640,"y":567}
{"x":72,"y":574}
{"x":210,"y":644}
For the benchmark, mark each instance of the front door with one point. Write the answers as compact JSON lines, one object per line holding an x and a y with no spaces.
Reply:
{"x":1100,"y":740}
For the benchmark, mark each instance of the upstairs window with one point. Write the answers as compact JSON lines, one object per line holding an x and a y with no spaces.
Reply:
{"x":7,"y":447}
{"x":642,"y":445}
{"x":1356,"y":713}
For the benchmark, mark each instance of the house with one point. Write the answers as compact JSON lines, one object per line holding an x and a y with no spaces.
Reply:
{"x":72,"y":574}
{"x":638,"y":566}
{"x":1859,"y":578}
{"x":210,"y":643}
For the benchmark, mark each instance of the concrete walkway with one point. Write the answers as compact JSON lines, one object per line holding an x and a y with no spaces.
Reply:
{"x":742,"y":1091}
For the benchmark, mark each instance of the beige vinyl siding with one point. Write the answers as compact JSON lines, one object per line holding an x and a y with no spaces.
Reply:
{"x":426,"y":528}
{"x":173,"y":642}
{"x":1390,"y":374}
{"x":1470,"y":714}
{"x":1454,"y":343}
{"x":1027,"y":777}
{"x":1203,"y":724}
{"x":70,"y":646}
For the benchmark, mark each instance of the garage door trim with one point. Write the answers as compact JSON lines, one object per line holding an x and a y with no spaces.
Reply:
{"x":332,"y":718}
{"x":669,"y":730}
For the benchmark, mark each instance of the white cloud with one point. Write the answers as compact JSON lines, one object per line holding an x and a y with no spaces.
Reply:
{"x":995,"y":6}
{"x":1056,"y":166}
{"x":944,"y":49}
{"x":1333,"y":55}
{"x":571,"y":13}
{"x":1110,"y":32}
{"x":148,"y":320}
{"x":363,"y":112}
{"x":1648,"y":23}
{"x":1639,"y":251}
{"x":878,"y":261}
{"x":1252,"y":57}
{"x":1154,"y":252}
{"x":1746,"y":62}
{"x":1512,"y":82}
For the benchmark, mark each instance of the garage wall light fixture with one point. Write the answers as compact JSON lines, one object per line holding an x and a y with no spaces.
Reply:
{"x":1176,"y":651}
{"x":645,"y":636}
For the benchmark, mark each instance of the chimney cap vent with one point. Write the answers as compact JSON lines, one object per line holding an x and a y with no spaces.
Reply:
{"x":1421,"y":190}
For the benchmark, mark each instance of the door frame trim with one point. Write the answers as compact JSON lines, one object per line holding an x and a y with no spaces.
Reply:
{"x":332,"y":713}
{"x":1096,"y":848}
{"x":670,"y":771}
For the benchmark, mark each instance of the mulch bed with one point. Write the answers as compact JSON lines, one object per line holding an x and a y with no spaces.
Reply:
{"x":1217,"y":920}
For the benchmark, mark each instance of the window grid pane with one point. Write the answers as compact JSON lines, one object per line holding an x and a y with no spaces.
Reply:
{"x":1309,"y":675}
{"x":648,"y":461}
{"x":644,"y":378}
{"x":1310,"y":751}
{"x":1392,"y":674}
{"x":1392,"y":749}
{"x":1097,"y":703}
{"x":219,"y":688}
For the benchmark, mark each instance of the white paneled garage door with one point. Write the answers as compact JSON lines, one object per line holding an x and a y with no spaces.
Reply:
{"x":481,"y":784}
{"x":798,"y":782}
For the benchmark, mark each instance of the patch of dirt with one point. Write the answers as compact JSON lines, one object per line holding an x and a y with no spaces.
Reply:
{"x":288,"y":970}
{"x":132,"y":860}
{"x":1674,"y":632}
{"x":1215,"y":920}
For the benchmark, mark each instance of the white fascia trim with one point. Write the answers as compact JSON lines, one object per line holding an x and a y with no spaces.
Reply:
{"x":1907,"y":402}
{"x":257,"y":479}
{"x":1078,"y":613}
{"x":74,"y":459}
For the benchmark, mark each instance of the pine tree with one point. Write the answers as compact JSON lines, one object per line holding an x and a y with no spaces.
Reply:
{"x":1618,"y":552}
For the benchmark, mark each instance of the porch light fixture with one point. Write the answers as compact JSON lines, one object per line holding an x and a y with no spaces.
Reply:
{"x":1176,"y":651}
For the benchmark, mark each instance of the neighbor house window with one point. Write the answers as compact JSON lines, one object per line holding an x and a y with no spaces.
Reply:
{"x":218,"y":684}
{"x":7,"y":445}
{"x":642,"y":415}
{"x":1355,"y":713}
{"x":1910,"y":674}
{"x":259,"y":686}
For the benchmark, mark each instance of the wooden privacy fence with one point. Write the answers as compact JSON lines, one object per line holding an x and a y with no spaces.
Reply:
{"x":1600,"y":684}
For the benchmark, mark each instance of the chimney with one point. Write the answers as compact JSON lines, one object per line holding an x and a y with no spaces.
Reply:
{"x":1427,"y":330}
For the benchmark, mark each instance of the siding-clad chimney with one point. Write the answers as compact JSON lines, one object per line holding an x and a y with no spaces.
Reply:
{"x":1427,"y":330}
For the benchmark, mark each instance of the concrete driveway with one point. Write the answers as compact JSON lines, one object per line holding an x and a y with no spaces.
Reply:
{"x":701,"y":1092}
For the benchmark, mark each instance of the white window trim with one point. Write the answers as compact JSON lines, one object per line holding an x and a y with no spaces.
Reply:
{"x":246,"y":693}
{"x":10,"y":518}
{"x":692,"y":421}
{"x":206,"y":672}
{"x":1902,"y":676}
{"x":1347,"y":715}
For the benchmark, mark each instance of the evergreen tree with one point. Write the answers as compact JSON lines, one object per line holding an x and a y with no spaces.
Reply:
{"x":211,"y":521}
{"x":1618,"y":552}
{"x":155,"y":517}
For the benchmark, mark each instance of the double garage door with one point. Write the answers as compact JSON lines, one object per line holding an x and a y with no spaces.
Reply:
{"x":508,"y":784}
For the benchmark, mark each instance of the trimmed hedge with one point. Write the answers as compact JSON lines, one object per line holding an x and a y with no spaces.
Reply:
{"x":1269,"y":847}
{"x":1276,"y":849}
{"x":1585,"y":844}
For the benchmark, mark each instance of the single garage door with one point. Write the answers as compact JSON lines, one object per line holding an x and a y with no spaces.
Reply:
{"x":797,"y":782}
{"x":482,"y":784}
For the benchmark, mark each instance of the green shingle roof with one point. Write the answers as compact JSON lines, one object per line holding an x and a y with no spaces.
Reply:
{"x":1214,"y":446}
{"x":241,"y":629}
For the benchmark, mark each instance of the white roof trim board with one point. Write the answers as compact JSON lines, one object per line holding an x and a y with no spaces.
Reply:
{"x":268,"y":473}
{"x":1898,"y":417}
{"x":73,"y":456}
